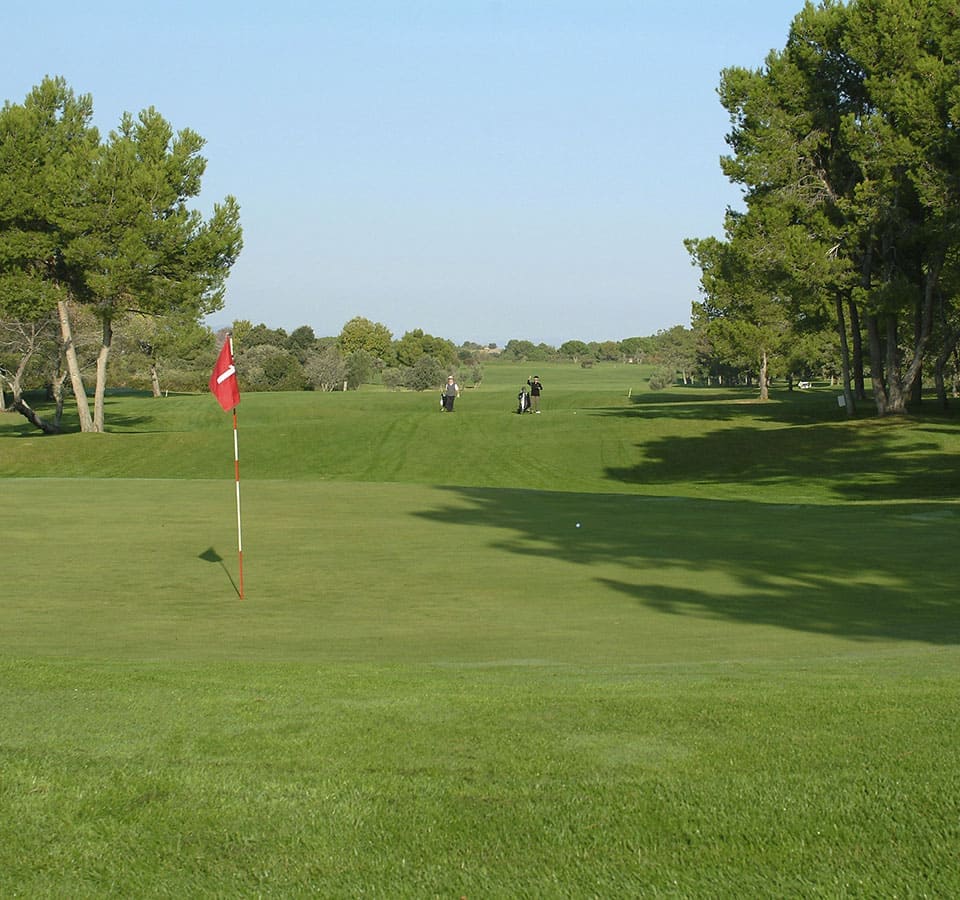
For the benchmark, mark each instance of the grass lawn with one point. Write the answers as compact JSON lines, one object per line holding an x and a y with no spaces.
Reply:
{"x":737,"y":676}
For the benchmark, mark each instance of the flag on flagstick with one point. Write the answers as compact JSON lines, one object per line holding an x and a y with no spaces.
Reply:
{"x":223,"y":380}
{"x":224,"y":386}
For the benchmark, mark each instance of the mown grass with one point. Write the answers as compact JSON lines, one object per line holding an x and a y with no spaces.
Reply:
{"x":602,"y":431}
{"x":735,"y":678}
{"x":290,"y":778}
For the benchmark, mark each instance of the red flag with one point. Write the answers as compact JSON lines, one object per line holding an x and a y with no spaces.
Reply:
{"x":223,"y":380}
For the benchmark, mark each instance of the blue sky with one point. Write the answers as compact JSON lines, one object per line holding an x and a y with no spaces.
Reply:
{"x":481,"y":169}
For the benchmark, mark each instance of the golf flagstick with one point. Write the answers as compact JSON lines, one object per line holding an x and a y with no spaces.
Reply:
{"x":224,"y":386}
{"x":236,"y":469}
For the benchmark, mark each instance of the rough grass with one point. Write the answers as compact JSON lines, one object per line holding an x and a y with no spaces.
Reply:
{"x":735,"y":678}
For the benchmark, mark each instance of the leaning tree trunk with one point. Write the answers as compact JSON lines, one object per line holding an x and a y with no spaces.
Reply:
{"x":73,"y":367}
{"x":16,"y":382}
{"x":21,"y":406}
{"x":25,"y":410}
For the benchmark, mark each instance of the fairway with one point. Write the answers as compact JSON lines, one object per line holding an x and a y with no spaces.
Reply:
{"x":677,"y":644}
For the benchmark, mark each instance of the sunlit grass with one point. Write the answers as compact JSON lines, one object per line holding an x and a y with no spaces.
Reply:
{"x":735,"y":678}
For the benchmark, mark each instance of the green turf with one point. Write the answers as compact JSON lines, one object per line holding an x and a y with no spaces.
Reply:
{"x":736,"y":678}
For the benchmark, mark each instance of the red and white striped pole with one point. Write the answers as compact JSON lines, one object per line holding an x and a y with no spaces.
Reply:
{"x":236,"y":469}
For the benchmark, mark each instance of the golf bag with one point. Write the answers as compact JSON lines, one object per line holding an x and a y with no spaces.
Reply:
{"x":523,"y":401}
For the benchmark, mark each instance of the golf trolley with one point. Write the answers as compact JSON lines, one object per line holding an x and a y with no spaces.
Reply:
{"x":523,"y":401}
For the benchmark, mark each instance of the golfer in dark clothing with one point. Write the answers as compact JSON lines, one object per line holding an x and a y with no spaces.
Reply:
{"x":450,"y":393}
{"x":535,"y":388}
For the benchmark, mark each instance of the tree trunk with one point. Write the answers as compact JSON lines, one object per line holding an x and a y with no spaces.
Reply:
{"x":764,"y":388}
{"x":903,"y":384}
{"x":15,"y":380}
{"x":101,"y":388}
{"x":73,"y":367}
{"x":898,"y":390}
{"x":856,"y":337}
{"x":849,"y":400}
{"x":876,"y":366}
{"x":155,"y":381}
{"x":57,"y":387}
{"x":925,"y":317}
{"x":892,"y":385}
{"x":940,"y":383}
{"x":915,"y":384}
{"x":16,"y":383}
{"x":947,"y":352}
{"x":22,"y":407}
{"x":956,"y":374}
{"x":856,"y":333}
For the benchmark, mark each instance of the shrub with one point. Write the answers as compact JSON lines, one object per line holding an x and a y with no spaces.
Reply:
{"x":393,"y":378}
{"x":325,"y":369}
{"x":662,"y":378}
{"x":361,"y":366}
{"x":424,"y":374}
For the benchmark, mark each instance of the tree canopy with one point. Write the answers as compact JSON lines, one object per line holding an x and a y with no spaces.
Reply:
{"x":362,"y":334}
{"x":847,"y":147}
{"x":105,"y":224}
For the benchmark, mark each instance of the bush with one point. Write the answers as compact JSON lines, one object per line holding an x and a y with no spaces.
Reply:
{"x":662,"y":378}
{"x":424,"y":374}
{"x":269,"y":368}
{"x":360,"y":368}
{"x":393,"y":378}
{"x":325,"y":370}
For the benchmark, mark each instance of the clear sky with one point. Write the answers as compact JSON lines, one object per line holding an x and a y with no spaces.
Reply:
{"x":481,"y":169}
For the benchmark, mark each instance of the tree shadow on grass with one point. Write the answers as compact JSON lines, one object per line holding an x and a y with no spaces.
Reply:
{"x":873,"y":461}
{"x":117,"y":419}
{"x":14,"y":425}
{"x":793,"y":407}
{"x":867,"y":572}
{"x":712,"y":405}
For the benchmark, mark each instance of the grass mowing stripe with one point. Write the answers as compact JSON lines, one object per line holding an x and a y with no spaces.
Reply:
{"x":698,"y":444}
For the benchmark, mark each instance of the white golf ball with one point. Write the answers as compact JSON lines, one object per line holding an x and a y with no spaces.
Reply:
{"x":578,"y":524}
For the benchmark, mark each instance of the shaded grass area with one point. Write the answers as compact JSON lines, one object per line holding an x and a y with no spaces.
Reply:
{"x":853,"y":460}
